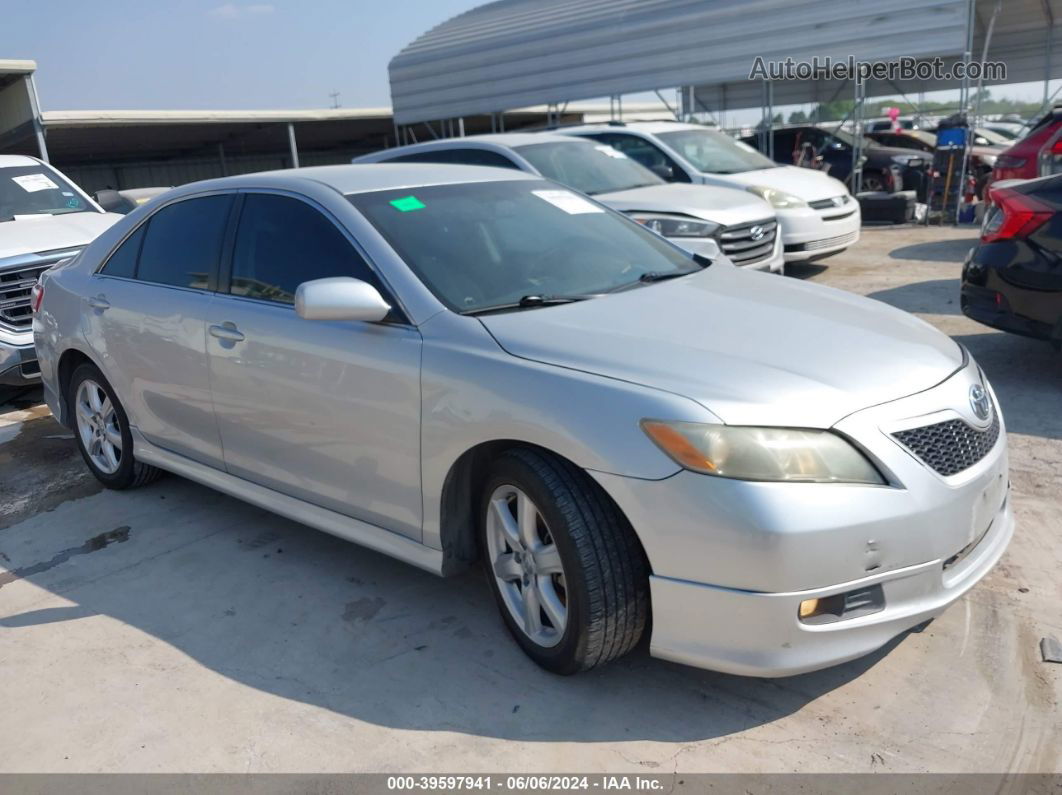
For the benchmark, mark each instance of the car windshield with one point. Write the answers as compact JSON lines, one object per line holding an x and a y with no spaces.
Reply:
{"x":715,"y":152}
{"x":37,"y":190}
{"x":590,"y":168}
{"x":487,"y":245}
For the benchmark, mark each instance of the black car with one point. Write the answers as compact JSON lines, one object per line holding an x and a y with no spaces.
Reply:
{"x":1012,"y":280}
{"x":885,"y":168}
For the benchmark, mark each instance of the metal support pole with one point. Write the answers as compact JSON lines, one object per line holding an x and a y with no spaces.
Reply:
{"x":965,"y":108}
{"x":1049,"y":18}
{"x":856,"y":179}
{"x":292,"y":146}
{"x":38,"y":124}
{"x":221,"y":158}
{"x":461,"y":126}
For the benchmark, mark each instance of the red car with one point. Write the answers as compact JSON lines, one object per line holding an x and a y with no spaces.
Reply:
{"x":1038,"y":154}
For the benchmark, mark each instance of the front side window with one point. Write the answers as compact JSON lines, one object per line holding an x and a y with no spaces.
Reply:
{"x":715,"y":152}
{"x":37,"y":190}
{"x":645,"y":154}
{"x":282,"y":242}
{"x":483,"y":245}
{"x":587,"y":167}
{"x":182,"y":244}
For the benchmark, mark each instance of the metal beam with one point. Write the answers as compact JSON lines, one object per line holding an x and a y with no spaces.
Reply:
{"x":38,"y":125}
{"x":292,"y":146}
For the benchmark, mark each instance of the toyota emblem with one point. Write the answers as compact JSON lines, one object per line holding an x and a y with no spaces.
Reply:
{"x":980,"y":402}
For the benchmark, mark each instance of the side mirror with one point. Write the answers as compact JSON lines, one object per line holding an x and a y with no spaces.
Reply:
{"x":340,"y":298}
{"x":112,"y":201}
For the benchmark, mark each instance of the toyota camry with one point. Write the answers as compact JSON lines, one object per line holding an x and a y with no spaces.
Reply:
{"x":455,"y":364}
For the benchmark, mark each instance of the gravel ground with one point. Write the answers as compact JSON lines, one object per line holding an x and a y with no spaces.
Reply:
{"x":175,"y":629}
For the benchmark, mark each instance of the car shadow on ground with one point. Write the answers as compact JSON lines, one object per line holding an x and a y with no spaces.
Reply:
{"x":934,"y":297}
{"x":804,"y":270}
{"x":293,"y":612}
{"x":948,"y":250}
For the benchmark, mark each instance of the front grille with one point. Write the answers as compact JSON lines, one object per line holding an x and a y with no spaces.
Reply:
{"x":950,"y":447}
{"x":829,"y":204}
{"x":15,"y":288}
{"x":738,"y":243}
{"x":826,"y":242}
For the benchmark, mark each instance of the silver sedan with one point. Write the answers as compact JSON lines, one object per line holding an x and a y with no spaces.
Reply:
{"x":454,"y":364}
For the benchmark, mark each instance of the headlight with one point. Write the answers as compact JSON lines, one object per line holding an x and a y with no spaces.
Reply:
{"x":778,"y":199}
{"x":774,"y":454}
{"x":676,"y":225}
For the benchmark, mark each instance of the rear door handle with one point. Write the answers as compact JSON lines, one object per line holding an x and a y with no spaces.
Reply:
{"x":227,"y":331}
{"x":99,"y":302}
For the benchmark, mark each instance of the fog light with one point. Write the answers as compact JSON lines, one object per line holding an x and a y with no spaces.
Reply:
{"x":841,"y":606}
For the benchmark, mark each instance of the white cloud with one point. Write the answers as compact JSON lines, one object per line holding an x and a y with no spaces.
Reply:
{"x":240,"y":11}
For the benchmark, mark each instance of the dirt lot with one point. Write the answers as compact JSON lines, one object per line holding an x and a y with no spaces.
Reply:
{"x":175,"y":629}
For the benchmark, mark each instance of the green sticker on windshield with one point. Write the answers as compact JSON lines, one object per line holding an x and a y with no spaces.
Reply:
{"x":408,"y":204}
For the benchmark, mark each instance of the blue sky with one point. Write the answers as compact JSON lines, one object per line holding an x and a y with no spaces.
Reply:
{"x":220,"y":54}
{"x":114,"y":54}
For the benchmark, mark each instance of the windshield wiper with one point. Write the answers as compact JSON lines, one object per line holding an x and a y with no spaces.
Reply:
{"x":651,"y":277}
{"x":530,"y":302}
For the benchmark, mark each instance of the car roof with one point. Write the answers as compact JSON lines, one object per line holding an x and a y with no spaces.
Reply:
{"x":651,"y":127}
{"x":363,"y":177}
{"x":7,"y":161}
{"x":487,"y":141}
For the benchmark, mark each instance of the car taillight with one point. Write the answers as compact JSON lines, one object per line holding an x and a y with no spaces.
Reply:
{"x":36,"y":296}
{"x":1009,"y":161}
{"x":1014,"y":215}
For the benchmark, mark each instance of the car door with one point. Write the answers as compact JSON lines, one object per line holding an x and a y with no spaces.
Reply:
{"x":145,"y":317}
{"x":324,"y":411}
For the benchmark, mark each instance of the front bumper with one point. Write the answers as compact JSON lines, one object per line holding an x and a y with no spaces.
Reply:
{"x":811,"y":234}
{"x":18,"y":361}
{"x":760,"y":634}
{"x":732,"y":560}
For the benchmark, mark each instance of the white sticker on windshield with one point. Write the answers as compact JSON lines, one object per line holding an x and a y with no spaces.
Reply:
{"x":31,"y":183}
{"x":608,"y":150}
{"x":567,"y":201}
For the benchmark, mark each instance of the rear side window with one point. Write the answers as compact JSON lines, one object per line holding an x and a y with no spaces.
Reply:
{"x":123,"y":261}
{"x":282,"y":242}
{"x":183,"y":242}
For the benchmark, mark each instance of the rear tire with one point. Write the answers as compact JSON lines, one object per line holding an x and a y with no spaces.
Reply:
{"x":101,"y":429}
{"x":573,"y":570}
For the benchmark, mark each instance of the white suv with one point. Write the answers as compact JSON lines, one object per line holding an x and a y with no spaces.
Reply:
{"x":44,"y":218}
{"x":817,"y":214}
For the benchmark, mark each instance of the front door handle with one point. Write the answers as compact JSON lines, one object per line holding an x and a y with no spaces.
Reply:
{"x":99,"y":302}
{"x":227,"y":331}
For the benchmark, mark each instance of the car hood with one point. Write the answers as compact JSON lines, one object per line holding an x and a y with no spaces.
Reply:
{"x":752,"y":348}
{"x":808,"y":184}
{"x":51,"y":232}
{"x":727,"y":206}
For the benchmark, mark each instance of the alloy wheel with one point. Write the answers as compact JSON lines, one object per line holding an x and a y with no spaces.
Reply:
{"x":97,"y":425}
{"x":527,"y":566}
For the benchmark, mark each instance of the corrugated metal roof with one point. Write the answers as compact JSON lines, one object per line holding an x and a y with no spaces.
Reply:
{"x":523,"y":52}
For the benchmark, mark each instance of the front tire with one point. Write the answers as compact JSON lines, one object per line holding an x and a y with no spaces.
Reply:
{"x":101,"y":429}
{"x":567,"y":572}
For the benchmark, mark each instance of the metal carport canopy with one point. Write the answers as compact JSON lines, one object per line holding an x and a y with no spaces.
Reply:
{"x":513,"y":53}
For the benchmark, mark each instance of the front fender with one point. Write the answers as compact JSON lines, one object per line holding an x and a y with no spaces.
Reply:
{"x":474,"y":392}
